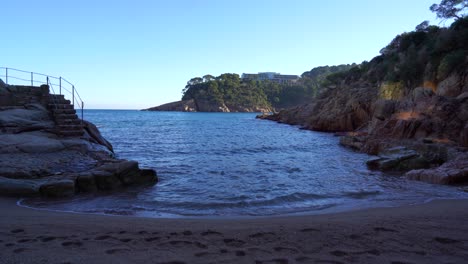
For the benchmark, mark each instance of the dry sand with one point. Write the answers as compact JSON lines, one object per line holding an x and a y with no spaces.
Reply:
{"x":436,"y":232}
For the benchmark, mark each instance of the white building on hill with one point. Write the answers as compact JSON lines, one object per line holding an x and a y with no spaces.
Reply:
{"x":271,"y":76}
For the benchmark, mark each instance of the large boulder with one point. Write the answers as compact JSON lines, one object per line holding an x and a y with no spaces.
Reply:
{"x":451,"y":86}
{"x":58,"y":188}
{"x":398,"y":159}
{"x":129,"y":173}
{"x":451,"y":172}
{"x":383,"y":109}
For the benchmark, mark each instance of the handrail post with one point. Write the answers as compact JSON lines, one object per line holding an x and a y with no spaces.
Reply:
{"x":47,"y":80}
{"x":6,"y":75}
{"x":60,"y":84}
{"x":73,"y":95}
{"x":82,"y":107}
{"x":32,"y":77}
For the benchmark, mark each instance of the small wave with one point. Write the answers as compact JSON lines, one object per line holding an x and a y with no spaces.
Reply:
{"x":291,"y":198}
{"x":361,"y":194}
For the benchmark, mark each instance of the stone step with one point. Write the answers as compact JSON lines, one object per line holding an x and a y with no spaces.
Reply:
{"x":57,"y":96}
{"x":59,"y":102}
{"x":63,"y":111}
{"x":61,"y":106}
{"x":59,"y":117}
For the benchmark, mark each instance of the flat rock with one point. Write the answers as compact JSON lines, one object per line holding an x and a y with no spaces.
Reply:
{"x":398,"y":159}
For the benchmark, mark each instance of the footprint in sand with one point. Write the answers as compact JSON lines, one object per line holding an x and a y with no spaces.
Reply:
{"x":187,"y":233}
{"x":202,"y":254}
{"x":104,"y":237}
{"x":47,"y":239}
{"x":232,"y":242}
{"x":184,"y":243}
{"x":338,"y":253}
{"x":304,"y":260}
{"x":273,"y":261}
{"x":211,"y":232}
{"x":445,"y":240}
{"x":116,"y":250}
{"x":9,"y":244}
{"x":240,"y":253}
{"x":19,"y":250}
{"x":384,"y":229}
{"x":16,"y":231}
{"x":72,"y":244}
{"x":255,"y":250}
{"x":125,"y":240}
{"x":262,"y":235}
{"x":286,"y":250}
{"x":24,"y":240}
{"x":307,"y":230}
{"x":172,"y":262}
{"x":150,"y":239}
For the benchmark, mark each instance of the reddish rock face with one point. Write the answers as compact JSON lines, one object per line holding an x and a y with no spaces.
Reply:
{"x":420,"y":119}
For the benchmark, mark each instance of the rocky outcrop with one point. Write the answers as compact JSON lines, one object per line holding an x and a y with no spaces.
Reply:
{"x":452,"y":172}
{"x":193,"y":105}
{"x":398,"y":158}
{"x":179,"y":106}
{"x":411,"y":130}
{"x":35,"y":160}
{"x":343,"y":108}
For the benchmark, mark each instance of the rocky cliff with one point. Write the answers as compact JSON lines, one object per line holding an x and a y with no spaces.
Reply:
{"x":409,"y":106}
{"x":37,"y":159}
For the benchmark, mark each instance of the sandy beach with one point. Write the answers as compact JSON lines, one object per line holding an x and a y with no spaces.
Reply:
{"x":435,"y":232}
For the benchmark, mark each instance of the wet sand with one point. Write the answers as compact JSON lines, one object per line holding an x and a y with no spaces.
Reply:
{"x":436,"y":232}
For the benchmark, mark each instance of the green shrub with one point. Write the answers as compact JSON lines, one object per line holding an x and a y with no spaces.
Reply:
{"x":451,"y":62}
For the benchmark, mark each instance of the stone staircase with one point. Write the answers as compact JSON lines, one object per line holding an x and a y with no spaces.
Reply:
{"x":66,"y":120}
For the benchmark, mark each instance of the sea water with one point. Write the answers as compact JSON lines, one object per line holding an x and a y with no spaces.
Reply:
{"x":233,"y":165}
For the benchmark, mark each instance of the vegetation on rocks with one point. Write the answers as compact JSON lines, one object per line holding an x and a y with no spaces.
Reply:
{"x":229,"y":91}
{"x":413,"y":96}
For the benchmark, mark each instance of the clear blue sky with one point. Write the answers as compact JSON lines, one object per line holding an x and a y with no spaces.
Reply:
{"x":137,"y":54}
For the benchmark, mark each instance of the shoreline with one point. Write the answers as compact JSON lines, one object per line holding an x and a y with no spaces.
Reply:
{"x":339,"y":209}
{"x":433,"y":232}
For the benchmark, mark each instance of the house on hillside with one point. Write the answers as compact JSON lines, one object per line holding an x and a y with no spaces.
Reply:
{"x":271,"y":76}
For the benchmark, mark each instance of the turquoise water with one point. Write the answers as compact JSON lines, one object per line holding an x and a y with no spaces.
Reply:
{"x":231,"y":164}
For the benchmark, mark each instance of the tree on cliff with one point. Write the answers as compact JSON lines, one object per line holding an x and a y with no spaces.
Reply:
{"x":450,"y":9}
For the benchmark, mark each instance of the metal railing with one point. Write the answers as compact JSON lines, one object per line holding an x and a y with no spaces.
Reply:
{"x":22,"y":77}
